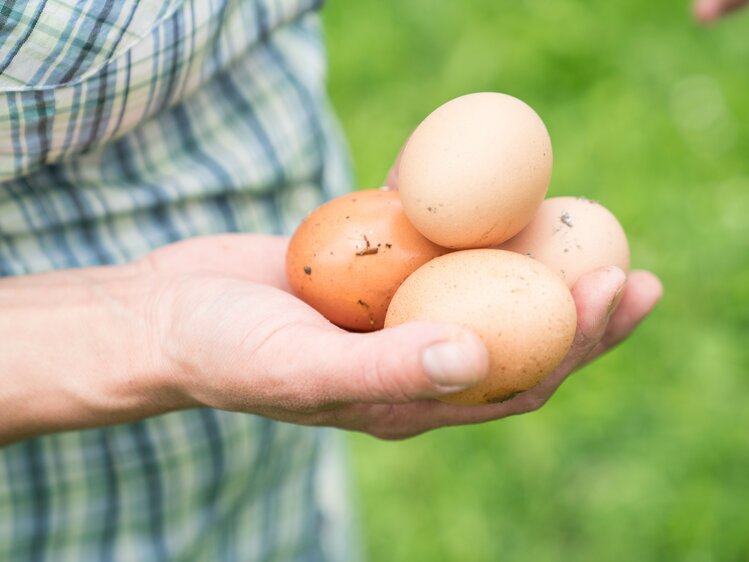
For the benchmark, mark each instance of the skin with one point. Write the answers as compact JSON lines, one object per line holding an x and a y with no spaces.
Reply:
{"x":210,"y":322}
{"x":706,"y":11}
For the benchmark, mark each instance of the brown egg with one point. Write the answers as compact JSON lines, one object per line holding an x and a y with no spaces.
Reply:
{"x":572,"y":236}
{"x":522,"y":311}
{"x":349,"y":256}
{"x":475,"y":170}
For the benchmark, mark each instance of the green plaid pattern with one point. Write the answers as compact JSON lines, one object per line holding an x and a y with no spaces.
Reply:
{"x":126,"y":125}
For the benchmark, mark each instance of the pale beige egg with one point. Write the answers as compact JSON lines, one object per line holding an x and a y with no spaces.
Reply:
{"x":474,"y":172}
{"x":522,"y":311}
{"x":572,"y":236}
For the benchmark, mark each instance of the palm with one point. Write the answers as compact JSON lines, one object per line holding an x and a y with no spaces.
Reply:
{"x":225,"y":299}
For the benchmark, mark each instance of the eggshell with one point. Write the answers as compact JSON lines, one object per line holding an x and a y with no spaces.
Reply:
{"x":475,"y":170}
{"x":572,"y":236}
{"x":350,"y":255}
{"x":522,"y":311}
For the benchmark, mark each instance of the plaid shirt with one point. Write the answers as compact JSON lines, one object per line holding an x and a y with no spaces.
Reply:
{"x":126,"y":125}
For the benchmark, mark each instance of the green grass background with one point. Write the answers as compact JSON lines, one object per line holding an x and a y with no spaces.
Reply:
{"x":643,"y":455}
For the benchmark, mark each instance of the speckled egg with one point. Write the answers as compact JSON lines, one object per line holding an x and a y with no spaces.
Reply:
{"x":521,"y":310}
{"x":349,"y":256}
{"x":572,"y":236}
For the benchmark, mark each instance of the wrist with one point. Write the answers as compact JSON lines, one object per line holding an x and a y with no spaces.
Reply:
{"x":79,"y":352}
{"x":134,"y":373}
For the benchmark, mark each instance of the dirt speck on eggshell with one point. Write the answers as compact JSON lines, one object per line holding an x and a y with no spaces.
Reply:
{"x":360,"y":247}
{"x":572,"y":236}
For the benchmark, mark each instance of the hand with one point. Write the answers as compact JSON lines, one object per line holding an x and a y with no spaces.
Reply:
{"x":609,"y":308}
{"x":237,"y":340}
{"x":707,"y":11}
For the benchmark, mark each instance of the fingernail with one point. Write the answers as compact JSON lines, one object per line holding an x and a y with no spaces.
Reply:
{"x":615,"y":301}
{"x":452,"y":364}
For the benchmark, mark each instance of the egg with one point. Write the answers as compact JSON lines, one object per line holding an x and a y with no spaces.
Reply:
{"x":521,"y":310}
{"x":474,"y":172}
{"x":349,"y":256}
{"x":572,"y":236}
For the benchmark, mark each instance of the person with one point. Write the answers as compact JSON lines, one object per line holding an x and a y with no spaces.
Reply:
{"x":163,"y":394}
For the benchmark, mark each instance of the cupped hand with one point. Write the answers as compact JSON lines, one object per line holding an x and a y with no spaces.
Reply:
{"x":707,"y":11}
{"x":236,"y":339}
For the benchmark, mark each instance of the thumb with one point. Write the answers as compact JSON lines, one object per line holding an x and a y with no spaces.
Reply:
{"x":409,"y":362}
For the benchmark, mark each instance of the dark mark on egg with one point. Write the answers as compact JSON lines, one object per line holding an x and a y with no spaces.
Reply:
{"x":369,"y":311}
{"x":368,"y":250}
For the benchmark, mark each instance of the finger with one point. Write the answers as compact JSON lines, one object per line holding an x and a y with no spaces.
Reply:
{"x":392,"y":178}
{"x":642,"y":293}
{"x":391,"y":181}
{"x":408,"y":362}
{"x":707,"y":11}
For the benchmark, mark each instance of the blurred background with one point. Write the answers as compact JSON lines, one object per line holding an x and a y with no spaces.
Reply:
{"x":643,"y":455}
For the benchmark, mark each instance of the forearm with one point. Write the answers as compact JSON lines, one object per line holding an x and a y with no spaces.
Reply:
{"x":76,"y":352}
